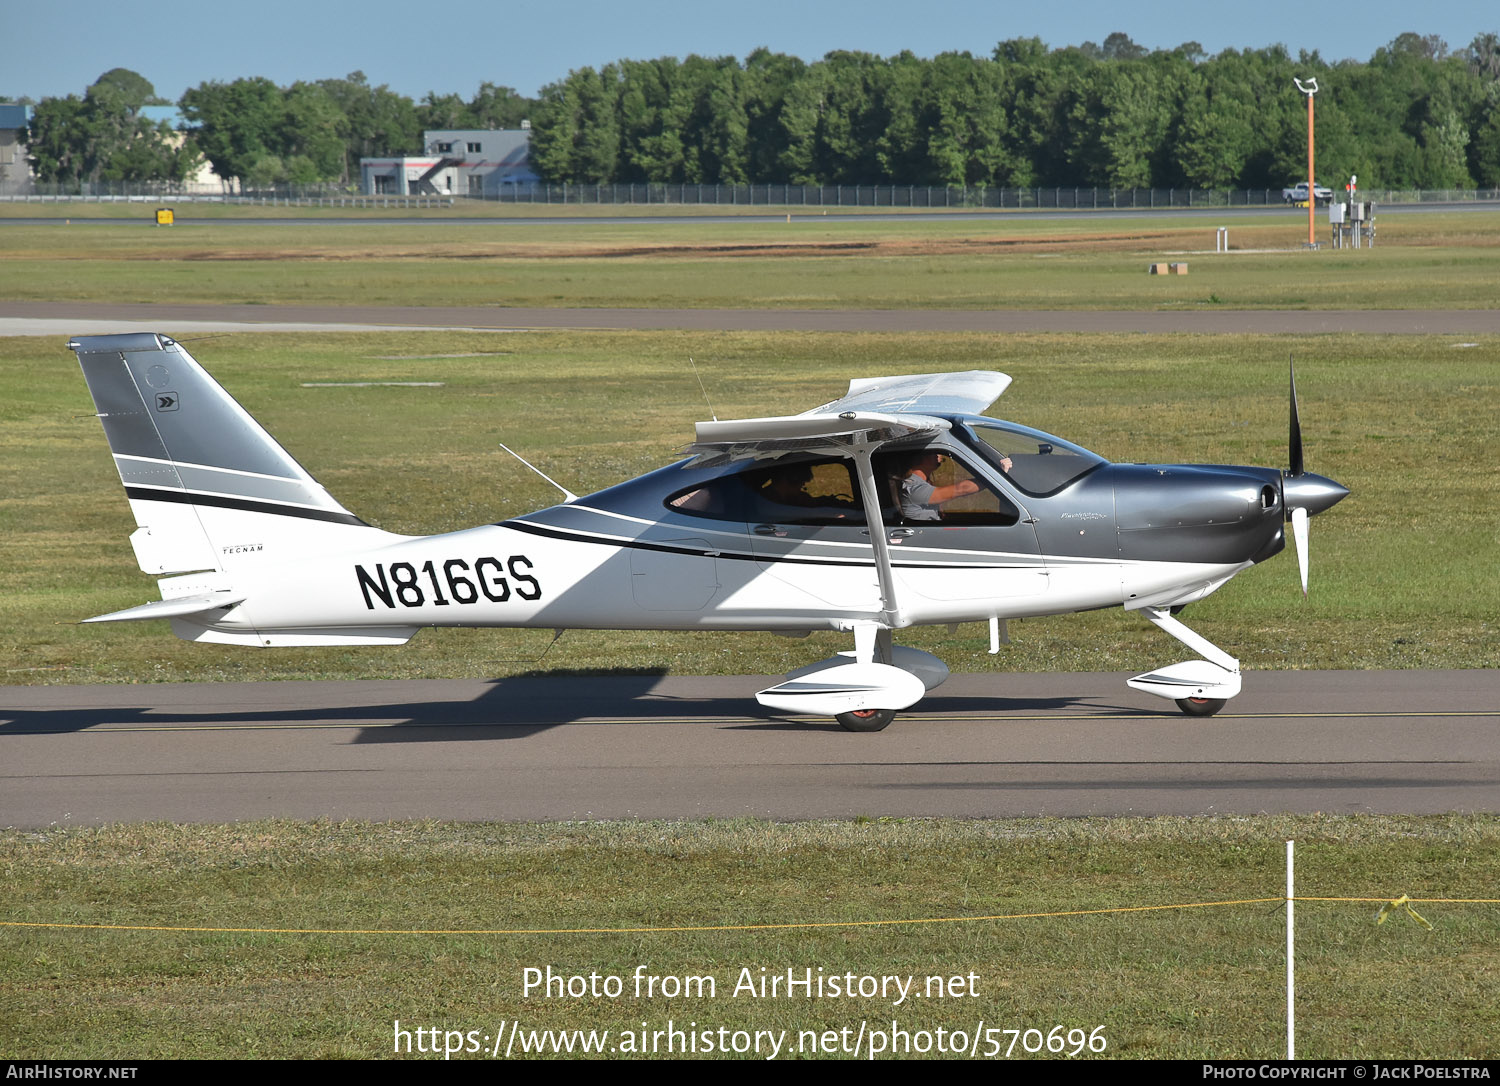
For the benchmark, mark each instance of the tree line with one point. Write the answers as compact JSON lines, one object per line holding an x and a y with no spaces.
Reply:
{"x":249,"y":130}
{"x":1416,"y":115}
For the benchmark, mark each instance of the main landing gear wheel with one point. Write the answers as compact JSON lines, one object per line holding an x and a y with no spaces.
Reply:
{"x":869,"y":720}
{"x":1200,"y":706}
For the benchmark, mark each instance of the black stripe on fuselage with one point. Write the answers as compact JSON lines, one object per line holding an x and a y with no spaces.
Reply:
{"x":223,"y":501}
{"x":714,"y":552}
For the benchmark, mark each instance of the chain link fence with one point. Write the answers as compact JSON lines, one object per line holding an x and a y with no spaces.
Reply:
{"x":789,"y":197}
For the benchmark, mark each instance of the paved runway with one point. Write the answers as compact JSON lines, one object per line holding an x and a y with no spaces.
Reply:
{"x":998,"y":745}
{"x":76,"y":318}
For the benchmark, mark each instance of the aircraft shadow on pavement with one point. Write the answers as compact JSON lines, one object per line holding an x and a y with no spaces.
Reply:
{"x":520,"y":706}
{"x":936,"y":709}
{"x":511,"y":708}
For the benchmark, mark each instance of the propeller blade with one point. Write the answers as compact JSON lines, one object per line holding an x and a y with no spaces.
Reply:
{"x":1299,"y":535}
{"x":1294,"y":437}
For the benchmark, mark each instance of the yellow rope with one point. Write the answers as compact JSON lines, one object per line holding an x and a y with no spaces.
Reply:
{"x":1388,"y":907}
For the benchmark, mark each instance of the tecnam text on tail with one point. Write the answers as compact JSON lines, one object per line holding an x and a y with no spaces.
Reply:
{"x":897,"y":505}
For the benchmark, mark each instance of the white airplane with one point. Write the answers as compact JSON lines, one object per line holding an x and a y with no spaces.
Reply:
{"x":896,"y":505}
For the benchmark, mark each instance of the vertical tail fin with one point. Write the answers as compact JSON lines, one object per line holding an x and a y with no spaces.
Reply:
{"x":209,"y":487}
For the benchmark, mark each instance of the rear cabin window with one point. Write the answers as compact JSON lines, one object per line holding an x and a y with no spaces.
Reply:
{"x":802,"y":492}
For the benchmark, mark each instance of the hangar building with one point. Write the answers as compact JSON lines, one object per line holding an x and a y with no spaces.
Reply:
{"x":477,"y":162}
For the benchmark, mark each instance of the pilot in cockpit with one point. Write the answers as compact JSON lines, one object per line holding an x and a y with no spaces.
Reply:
{"x":920,"y":498}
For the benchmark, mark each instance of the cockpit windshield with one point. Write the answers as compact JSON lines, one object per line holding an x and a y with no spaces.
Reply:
{"x":1037,"y":463}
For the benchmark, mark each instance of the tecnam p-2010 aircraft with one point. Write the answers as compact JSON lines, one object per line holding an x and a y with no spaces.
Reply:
{"x":896,"y":505}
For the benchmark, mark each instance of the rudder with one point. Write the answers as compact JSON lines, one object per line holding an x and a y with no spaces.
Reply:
{"x":209,"y":487}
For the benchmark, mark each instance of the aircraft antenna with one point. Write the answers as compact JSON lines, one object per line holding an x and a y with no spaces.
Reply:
{"x":568,"y":495}
{"x":556,"y":637}
{"x":702,"y":389}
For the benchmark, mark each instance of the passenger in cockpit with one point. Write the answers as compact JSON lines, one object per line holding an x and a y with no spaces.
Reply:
{"x":787,"y":486}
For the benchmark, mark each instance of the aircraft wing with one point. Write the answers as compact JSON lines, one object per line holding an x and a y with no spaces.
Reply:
{"x":875,"y":411}
{"x":966,"y":393}
{"x":743,"y":439}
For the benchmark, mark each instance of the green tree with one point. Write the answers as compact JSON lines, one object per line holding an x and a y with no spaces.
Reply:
{"x":576,"y":133}
{"x":1483,"y":59}
{"x":1253,"y":88}
{"x":1121,"y":122}
{"x":1045,"y":88}
{"x":234,"y":125}
{"x":854,"y":115}
{"x":443,"y":111}
{"x":1216,"y":136}
{"x":652,"y":116}
{"x":1118,"y":46}
{"x":798,"y":124}
{"x":1445,"y":143}
{"x":103,"y":137}
{"x":901,"y":149}
{"x":964,"y":121}
{"x":380,"y":121}
{"x":313,"y":136}
{"x":494,"y":106}
{"x":1410,"y":111}
{"x":769,"y":77}
{"x":55,"y":140}
{"x":135,"y":88}
{"x":1484,"y":152}
{"x":716,"y":143}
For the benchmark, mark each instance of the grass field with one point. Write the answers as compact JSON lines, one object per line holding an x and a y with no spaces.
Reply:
{"x":1010,"y":262}
{"x":1397,"y":419}
{"x":1186,"y":984}
{"x":1403,"y":575}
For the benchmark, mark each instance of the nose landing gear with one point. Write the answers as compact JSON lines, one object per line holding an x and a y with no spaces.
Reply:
{"x":865,"y":720}
{"x":1200,"y":706}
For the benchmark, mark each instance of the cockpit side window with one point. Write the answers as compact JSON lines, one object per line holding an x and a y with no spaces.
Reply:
{"x":1036,"y":463}
{"x":799,"y":492}
{"x":927,"y":485}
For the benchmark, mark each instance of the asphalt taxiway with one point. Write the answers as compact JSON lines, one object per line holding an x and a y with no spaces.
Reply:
{"x":649,"y":746}
{"x":88,"y":318}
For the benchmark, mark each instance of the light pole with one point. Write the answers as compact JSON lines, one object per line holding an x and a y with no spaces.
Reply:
{"x":1312,"y":185}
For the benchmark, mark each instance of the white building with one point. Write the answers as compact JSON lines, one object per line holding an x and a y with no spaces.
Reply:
{"x":457,"y":162}
{"x":15,"y":170}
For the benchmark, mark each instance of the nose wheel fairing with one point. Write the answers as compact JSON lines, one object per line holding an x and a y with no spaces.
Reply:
{"x":1199,"y":687}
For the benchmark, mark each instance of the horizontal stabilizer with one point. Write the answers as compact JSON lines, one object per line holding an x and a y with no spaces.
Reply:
{"x":174,"y":608}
